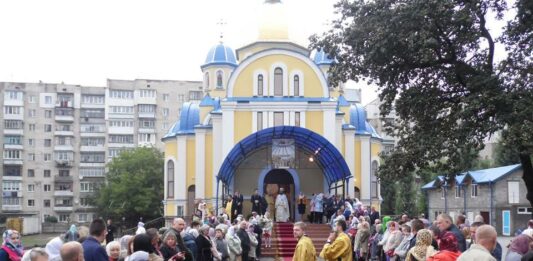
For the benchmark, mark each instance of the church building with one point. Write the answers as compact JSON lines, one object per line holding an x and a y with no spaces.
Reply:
{"x":269,"y":120}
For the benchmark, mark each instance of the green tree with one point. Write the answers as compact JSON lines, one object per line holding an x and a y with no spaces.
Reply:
{"x":433,"y":62}
{"x":134,"y":187}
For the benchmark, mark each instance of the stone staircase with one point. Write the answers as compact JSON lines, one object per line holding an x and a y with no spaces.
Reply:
{"x":284,"y":243}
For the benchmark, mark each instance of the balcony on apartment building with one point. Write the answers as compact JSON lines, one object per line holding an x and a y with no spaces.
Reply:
{"x":64,"y":130}
{"x":13,"y":157}
{"x":64,"y":114}
{"x":11,"y":201}
{"x":12,"y":173}
{"x":13,"y":127}
{"x":63,"y":189}
{"x":13,"y":142}
{"x":63,"y":178}
{"x":63,"y":144}
{"x":63,"y":204}
{"x":65,"y":163}
{"x":146,"y":111}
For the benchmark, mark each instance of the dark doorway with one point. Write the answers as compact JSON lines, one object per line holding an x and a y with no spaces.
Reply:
{"x":274,"y":180}
{"x":191,"y":196}
{"x":486,"y":217}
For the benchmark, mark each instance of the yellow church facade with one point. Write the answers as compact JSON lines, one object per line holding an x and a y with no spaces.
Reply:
{"x":268,"y":120}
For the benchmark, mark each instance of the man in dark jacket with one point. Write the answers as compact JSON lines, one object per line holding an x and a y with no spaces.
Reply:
{"x":245,"y":240}
{"x":445,"y":223}
{"x":373,"y":215}
{"x":416,"y":225}
{"x":92,"y":248}
{"x":236,"y":206}
{"x":257,"y":202}
{"x":110,"y":231}
{"x":178,"y":225}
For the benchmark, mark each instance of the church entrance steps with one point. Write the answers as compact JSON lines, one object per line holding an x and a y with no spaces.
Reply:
{"x":284,"y":243}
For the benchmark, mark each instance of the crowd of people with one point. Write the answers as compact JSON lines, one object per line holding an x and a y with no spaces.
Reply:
{"x":357,"y":233}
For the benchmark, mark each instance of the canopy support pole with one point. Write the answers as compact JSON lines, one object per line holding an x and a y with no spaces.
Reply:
{"x":216,"y":198}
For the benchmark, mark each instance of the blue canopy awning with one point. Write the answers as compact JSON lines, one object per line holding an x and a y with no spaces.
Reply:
{"x":325,"y":154}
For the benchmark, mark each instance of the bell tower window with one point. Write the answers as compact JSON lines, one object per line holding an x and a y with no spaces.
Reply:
{"x":260,"y":85}
{"x":206,"y":80}
{"x":219,"y":80}
{"x":278,"y":82}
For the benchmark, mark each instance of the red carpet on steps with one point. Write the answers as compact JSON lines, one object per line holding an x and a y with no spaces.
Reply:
{"x":284,"y":243}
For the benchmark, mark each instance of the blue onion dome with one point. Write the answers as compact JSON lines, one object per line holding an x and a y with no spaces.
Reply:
{"x":189,"y":118}
{"x":220,"y":54}
{"x":359,"y":122}
{"x":322,"y":58}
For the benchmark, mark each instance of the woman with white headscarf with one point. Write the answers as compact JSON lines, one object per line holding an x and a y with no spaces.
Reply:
{"x":140,"y":228}
{"x":11,"y":249}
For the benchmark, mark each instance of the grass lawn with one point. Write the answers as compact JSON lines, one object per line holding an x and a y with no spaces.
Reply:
{"x":37,"y":239}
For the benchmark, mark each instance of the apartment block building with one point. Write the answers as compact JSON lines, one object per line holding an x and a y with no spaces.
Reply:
{"x":57,"y":139}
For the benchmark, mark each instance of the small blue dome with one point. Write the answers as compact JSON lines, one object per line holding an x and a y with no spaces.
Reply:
{"x":220,"y":54}
{"x":189,"y":118}
{"x":321,"y":58}
{"x":359,"y":122}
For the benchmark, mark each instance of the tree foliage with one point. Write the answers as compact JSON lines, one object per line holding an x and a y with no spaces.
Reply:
{"x":134,"y":187}
{"x":434,"y":64}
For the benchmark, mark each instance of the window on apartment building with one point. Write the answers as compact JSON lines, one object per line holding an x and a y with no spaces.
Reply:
{"x":166,"y":112}
{"x":181,"y":98}
{"x":85,"y":202}
{"x":48,"y":114}
{"x":31,"y":156}
{"x":195,"y":95}
{"x":170,"y":179}
{"x":31,"y":113}
{"x":63,"y":202}
{"x":92,"y":128}
{"x":82,"y":218}
{"x":47,"y":142}
{"x":121,"y":94}
{"x":12,"y":171}
{"x":145,"y":137}
{"x":165,"y":126}
{"x":47,"y":187}
{"x":11,"y":185}
{"x":12,"y":154}
{"x":46,"y":203}
{"x":147,"y":124}
{"x":124,"y":139}
{"x":64,"y":127}
{"x":121,"y":109}
{"x":31,"y":202}
{"x":31,"y":142}
{"x":297,"y":119}
{"x":64,"y":155}
{"x":64,"y":173}
{"x":32,"y":99}
{"x":92,"y":157}
{"x":46,"y":173}
{"x":166,"y":97}
{"x":146,"y":108}
{"x":147,"y":93}
{"x":31,"y":187}
{"x":92,"y":172}
{"x":64,"y":218}
{"x":11,"y":201}
{"x":13,"y":110}
{"x":93,"y":141}
{"x":259,"y":120}
{"x":31,"y":126}
{"x":524,"y":210}
{"x":121,"y":123}
{"x":12,"y":140}
{"x":13,"y":95}
{"x":47,"y":157}
{"x":113,"y":152}
{"x":93,"y":99}
{"x":63,"y":141}
{"x":48,"y":128}
{"x":31,"y":173}
{"x":458,"y":191}
{"x":63,"y":186}
{"x":47,"y":99}
{"x":513,"y":187}
{"x":13,"y":124}
{"x":88,"y":186}
{"x":92,"y":113}
{"x":278,"y":118}
{"x":474,"y":190}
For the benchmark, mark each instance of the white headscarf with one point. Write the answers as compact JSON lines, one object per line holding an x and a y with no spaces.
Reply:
{"x":53,"y":247}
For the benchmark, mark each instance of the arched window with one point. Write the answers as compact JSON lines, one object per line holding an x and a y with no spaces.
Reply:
{"x":374,"y":178}
{"x":278,"y":82}
{"x":170,"y":179}
{"x":219,"y":80}
{"x":206,"y":80}
{"x":260,"y":85}
{"x":296,"y":85}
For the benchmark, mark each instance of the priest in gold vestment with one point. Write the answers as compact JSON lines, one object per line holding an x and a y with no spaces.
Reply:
{"x":305,"y":250}
{"x":339,"y":245}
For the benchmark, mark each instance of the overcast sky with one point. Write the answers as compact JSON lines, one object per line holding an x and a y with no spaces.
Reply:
{"x":87,"y":42}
